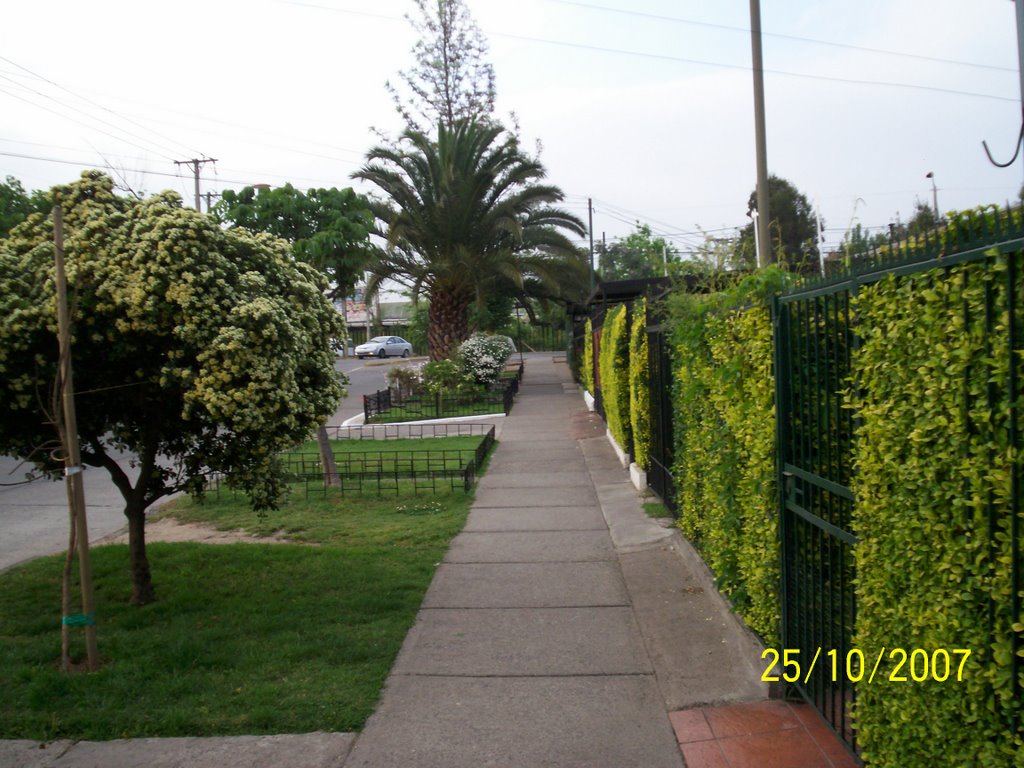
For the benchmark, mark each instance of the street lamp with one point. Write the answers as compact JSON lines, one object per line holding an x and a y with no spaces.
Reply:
{"x":935,"y":195}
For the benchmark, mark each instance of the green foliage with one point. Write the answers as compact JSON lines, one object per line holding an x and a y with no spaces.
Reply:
{"x":452,"y":80}
{"x":404,"y":379}
{"x":933,"y":461}
{"x":16,"y":204}
{"x":793,"y":229}
{"x":725,"y":440}
{"x":465,"y":216}
{"x":447,"y":376}
{"x":640,"y":387}
{"x":636,"y":256}
{"x":328,"y":228}
{"x":587,"y":366}
{"x":196,"y":349}
{"x":614,"y":364}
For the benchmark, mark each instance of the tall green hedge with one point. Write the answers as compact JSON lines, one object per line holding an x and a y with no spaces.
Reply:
{"x":725,"y":441}
{"x":932,"y":458}
{"x":640,"y":387}
{"x":587,"y":368}
{"x":614,"y":363}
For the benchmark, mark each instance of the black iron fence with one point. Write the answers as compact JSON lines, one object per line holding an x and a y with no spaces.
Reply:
{"x":388,"y":471}
{"x":816,"y":336}
{"x":387,"y":405}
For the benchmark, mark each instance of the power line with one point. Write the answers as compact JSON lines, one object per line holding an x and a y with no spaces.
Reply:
{"x":89,"y":101}
{"x":684,"y":60}
{"x":795,"y":38}
{"x":90,"y":127}
{"x":745,"y":68}
{"x":89,"y":164}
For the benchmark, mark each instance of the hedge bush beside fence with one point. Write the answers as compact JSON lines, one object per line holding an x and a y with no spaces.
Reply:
{"x":725,"y":441}
{"x":640,"y":387}
{"x":615,"y":376}
{"x":932,"y":454}
{"x":587,"y":368}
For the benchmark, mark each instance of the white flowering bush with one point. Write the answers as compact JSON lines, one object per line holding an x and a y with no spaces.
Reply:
{"x":483,"y":357}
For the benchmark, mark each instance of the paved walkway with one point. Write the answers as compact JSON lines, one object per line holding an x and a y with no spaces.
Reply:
{"x":564,"y":628}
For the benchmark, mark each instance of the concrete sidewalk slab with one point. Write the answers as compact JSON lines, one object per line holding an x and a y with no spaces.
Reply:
{"x":628,"y":526}
{"x":566,"y":722}
{"x":530,"y":547}
{"x":527,"y":585}
{"x":310,"y":750}
{"x":720,"y":662}
{"x":532,"y":519}
{"x":568,"y":496}
{"x":516,"y":478}
{"x":527,"y":642}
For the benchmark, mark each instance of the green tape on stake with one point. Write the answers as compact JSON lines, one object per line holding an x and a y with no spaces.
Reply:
{"x":80,"y":620}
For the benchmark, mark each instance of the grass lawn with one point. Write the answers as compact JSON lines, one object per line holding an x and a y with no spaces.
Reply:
{"x":388,"y":455}
{"x":416,"y":410}
{"x":243,"y":638}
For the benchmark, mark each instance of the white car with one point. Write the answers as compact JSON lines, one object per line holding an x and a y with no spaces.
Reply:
{"x":384,"y":346}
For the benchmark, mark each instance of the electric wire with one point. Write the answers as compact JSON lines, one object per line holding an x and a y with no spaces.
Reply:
{"x":795,"y":38}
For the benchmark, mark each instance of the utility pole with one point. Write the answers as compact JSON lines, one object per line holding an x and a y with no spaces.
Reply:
{"x":72,"y":458}
{"x":763,"y":216}
{"x":209,"y":199}
{"x":195,"y":163}
{"x":590,"y":229}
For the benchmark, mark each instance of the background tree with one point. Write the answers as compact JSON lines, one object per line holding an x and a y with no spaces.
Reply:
{"x":195,"y":348}
{"x":923,"y":220}
{"x":461,"y":215}
{"x":328,"y":228}
{"x":793,"y":228}
{"x":451,"y":80}
{"x":858,"y":241}
{"x":636,"y":256}
{"x":16,"y":204}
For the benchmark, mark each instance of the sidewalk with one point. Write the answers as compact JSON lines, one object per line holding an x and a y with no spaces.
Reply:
{"x":562,"y":629}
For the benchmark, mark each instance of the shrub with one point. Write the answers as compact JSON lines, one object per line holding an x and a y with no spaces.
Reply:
{"x":640,"y":387}
{"x":615,"y":376}
{"x":446,"y":377}
{"x":725,"y":441}
{"x":934,"y":467}
{"x":482,"y":358}
{"x":404,"y":380}
{"x":587,"y":367}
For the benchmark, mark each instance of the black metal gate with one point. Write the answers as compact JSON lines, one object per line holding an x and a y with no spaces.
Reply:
{"x":662,"y":453}
{"x":813,"y":342}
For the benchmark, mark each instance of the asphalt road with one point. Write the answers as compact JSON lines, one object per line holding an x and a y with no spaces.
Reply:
{"x":34,"y":513}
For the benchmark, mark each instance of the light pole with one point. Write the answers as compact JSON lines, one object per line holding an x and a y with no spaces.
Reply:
{"x":935,"y":195}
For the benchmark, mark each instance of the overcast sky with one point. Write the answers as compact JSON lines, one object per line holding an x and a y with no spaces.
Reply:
{"x":646,"y":106}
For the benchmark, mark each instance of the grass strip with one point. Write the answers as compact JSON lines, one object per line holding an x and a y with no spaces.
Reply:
{"x":244,"y":638}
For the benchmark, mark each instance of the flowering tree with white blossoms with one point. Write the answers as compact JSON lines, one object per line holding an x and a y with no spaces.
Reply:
{"x":483,"y":357}
{"x":194,"y":348}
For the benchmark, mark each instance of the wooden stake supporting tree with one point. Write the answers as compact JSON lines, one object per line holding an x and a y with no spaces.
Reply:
{"x":68,"y":430}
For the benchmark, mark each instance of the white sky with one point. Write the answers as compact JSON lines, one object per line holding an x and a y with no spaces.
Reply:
{"x":648,"y":109}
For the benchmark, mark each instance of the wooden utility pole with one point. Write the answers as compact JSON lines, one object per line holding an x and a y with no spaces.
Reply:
{"x":590,"y":228}
{"x":763,"y":218}
{"x":195,"y":163}
{"x":73,"y":459}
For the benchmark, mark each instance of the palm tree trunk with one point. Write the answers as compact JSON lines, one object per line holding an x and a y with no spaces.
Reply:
{"x":448,"y":322}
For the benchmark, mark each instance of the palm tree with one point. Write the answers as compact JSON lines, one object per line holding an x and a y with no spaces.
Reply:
{"x":461,"y":215}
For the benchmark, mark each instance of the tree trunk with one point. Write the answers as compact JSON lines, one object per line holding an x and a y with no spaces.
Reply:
{"x":448,"y":322}
{"x":142,"y":582}
{"x":331,"y":479}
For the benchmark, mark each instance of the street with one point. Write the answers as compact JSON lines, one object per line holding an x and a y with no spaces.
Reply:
{"x":34,"y":513}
